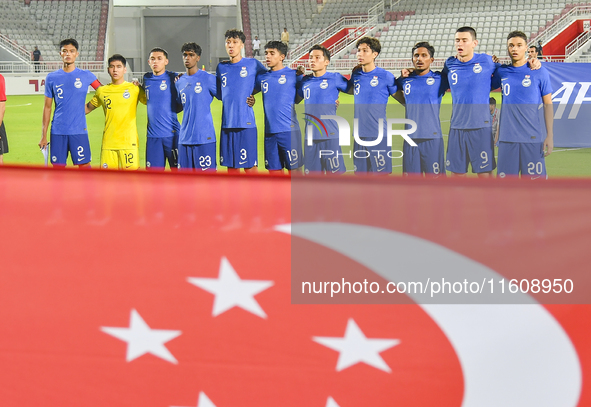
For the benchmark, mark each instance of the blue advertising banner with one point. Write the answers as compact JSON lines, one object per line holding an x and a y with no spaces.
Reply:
{"x":572,"y":103}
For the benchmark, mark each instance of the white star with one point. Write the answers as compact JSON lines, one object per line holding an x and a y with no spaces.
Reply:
{"x":141,"y":339}
{"x":203,"y":401}
{"x":355,"y":348}
{"x":230,"y":291}
{"x":331,"y":403}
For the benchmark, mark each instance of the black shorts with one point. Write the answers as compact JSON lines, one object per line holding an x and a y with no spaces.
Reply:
{"x":3,"y":140}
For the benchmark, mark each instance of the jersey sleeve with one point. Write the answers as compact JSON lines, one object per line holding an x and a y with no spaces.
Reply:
{"x":96,"y":100}
{"x":213,"y":89}
{"x":392,"y":84}
{"x":2,"y":89}
{"x":444,"y":84}
{"x":257,"y":84}
{"x":260,"y":68}
{"x":142,"y":95}
{"x":545,"y":84}
{"x":218,"y":81}
{"x":495,"y":83}
{"x":92,"y":80}
{"x":342,"y":83}
{"x":48,"y":87}
{"x":300,"y":86}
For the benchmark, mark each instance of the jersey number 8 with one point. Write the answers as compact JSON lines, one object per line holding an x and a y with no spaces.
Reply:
{"x":407,"y":89}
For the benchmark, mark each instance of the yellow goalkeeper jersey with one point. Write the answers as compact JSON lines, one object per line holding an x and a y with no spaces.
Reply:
{"x":119,"y":103}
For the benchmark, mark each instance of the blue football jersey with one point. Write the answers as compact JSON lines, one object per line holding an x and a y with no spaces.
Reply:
{"x":279,"y":91}
{"x":235,"y":83}
{"x":320,"y":95}
{"x":68,"y":90}
{"x":522,"y":111}
{"x":162,"y":104}
{"x":196,"y":92}
{"x":470,"y":84}
{"x":423,"y":94}
{"x":371,"y":93}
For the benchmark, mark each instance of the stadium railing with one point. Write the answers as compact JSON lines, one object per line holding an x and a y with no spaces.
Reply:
{"x":577,"y":43}
{"x":560,"y":24}
{"x":346,"y":21}
{"x":47,"y":66}
{"x":15,"y":49}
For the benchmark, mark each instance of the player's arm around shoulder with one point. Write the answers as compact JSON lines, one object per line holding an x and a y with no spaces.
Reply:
{"x":141,"y":93}
{"x":546,"y":90}
{"x":94,"y":102}
{"x":399,"y":95}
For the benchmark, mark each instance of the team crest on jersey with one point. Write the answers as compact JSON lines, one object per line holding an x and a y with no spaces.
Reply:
{"x":374,"y":82}
{"x":198,"y":87}
{"x":54,"y":158}
{"x":477,"y":68}
{"x":282,"y":80}
{"x":148,"y":164}
{"x":501,"y":175}
{"x":78,"y":83}
{"x":126,"y":94}
{"x":324,"y":84}
{"x":430,"y":81}
{"x":243,"y":72}
{"x":163,"y":85}
{"x":527,"y":81}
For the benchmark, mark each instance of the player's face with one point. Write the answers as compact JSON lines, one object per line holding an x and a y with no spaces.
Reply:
{"x":117,"y":70}
{"x":69,"y":53}
{"x":273,"y":57}
{"x":517,"y":48}
{"x":190,"y":59}
{"x":465,"y":44}
{"x":532,"y":53}
{"x":492,"y":109}
{"x":158,"y":62}
{"x":421,"y":59}
{"x":365,"y":55}
{"x":234,"y":46}
{"x":317,"y":61}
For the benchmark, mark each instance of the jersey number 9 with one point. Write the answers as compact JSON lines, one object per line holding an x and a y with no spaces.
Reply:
{"x":265,"y":87}
{"x":454,"y":78}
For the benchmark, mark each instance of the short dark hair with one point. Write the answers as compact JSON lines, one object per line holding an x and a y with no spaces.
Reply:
{"x":533,"y":46}
{"x":69,"y":41}
{"x":467,"y":29}
{"x":158,"y":49}
{"x":372,"y":43}
{"x":517,"y":34}
{"x":424,"y":44}
{"x":492,"y":101}
{"x":322,"y":48}
{"x":234,"y":33}
{"x":117,"y":57}
{"x":191,"y":46}
{"x":278,"y":45}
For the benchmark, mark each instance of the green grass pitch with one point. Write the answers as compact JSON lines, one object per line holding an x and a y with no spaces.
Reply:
{"x":23,"y":125}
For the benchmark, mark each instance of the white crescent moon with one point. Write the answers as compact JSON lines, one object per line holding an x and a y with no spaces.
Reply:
{"x":511,"y":354}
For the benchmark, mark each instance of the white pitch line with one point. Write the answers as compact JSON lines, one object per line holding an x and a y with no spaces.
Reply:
{"x":26,"y":104}
{"x":568,"y":149}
